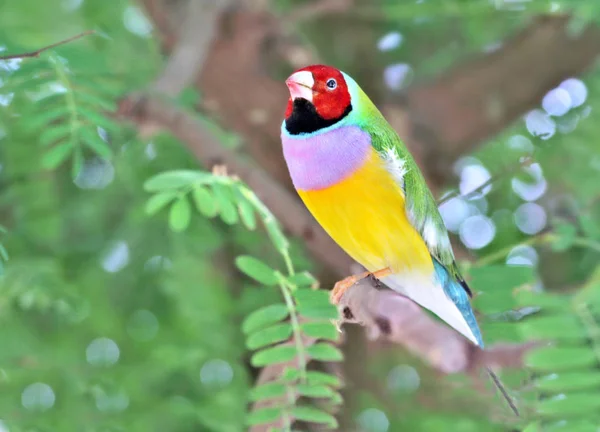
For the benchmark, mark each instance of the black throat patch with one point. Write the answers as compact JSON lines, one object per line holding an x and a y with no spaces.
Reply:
{"x":305,"y":119}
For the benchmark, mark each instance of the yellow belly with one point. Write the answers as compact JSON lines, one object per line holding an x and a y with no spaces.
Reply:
{"x":365,"y":215}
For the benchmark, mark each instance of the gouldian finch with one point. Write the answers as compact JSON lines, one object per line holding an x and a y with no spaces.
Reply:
{"x":361,"y":184}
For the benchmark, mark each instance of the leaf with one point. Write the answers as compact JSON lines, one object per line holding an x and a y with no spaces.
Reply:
{"x":92,"y":139}
{"x":498,"y":282}
{"x":552,"y":327}
{"x":97,"y":101}
{"x":257,"y":270}
{"x":97,"y":119}
{"x":3,"y":253}
{"x":269,"y":390}
{"x":548,"y":302}
{"x":246,"y":212}
{"x":224,"y":199}
{"x":302,"y":279}
{"x":274,"y":355}
{"x":57,"y":155}
{"x":320,"y":330}
{"x":77,"y":162}
{"x":324,"y":352}
{"x":42,"y":118}
{"x":269,"y":336}
{"x":175,"y":180}
{"x":532,"y":427}
{"x":204,"y":201}
{"x":325,"y":312}
{"x":501,"y":277}
{"x":589,"y":225}
{"x":571,"y":404}
{"x":314,"y":415}
{"x":314,"y":390}
{"x":569,"y":381}
{"x":55,"y":133}
{"x":566,"y":234}
{"x":560,"y":358}
{"x":315,"y":377}
{"x":263,"y":415}
{"x":290,"y":374}
{"x":180,"y":214}
{"x":264,"y":317}
{"x":158,"y":201}
{"x":312,"y":297}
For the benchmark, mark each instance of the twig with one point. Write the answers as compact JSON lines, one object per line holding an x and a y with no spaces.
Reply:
{"x":527,"y":161}
{"x":37,"y":52}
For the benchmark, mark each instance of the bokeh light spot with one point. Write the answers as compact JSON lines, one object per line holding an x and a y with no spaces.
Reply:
{"x":403,"y":378}
{"x":373,"y":420}
{"x":136,"y":22}
{"x":530,"y":191}
{"x":102,"y":352}
{"x":477,"y":231}
{"x":557,"y":102}
{"x":38,"y":397}
{"x":576,"y":89}
{"x":522,"y":255}
{"x":117,"y":257}
{"x":389,"y":41}
{"x":143,"y":325}
{"x":530,"y":218}
{"x":216,"y":373}
{"x":540,"y":124}
{"x":454,"y":212}
{"x":397,"y":76}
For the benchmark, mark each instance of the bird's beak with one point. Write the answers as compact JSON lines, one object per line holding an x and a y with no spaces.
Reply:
{"x":300,"y":85}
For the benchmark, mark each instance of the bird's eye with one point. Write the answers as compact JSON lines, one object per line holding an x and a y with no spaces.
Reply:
{"x":331,"y":84}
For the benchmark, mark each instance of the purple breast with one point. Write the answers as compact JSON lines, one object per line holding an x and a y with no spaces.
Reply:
{"x":321,"y":160}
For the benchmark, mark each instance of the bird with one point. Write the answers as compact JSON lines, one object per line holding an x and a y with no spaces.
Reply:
{"x":361,"y":184}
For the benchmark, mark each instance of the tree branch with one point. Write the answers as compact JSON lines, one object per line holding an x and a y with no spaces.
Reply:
{"x":37,"y":52}
{"x":399,"y":320}
{"x":154,"y":112}
{"x":451,"y":115}
{"x":191,"y":50}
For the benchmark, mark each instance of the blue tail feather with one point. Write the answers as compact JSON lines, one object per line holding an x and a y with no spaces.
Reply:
{"x":457,"y":293}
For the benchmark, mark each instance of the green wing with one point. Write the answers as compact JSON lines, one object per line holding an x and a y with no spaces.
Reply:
{"x":420,"y":205}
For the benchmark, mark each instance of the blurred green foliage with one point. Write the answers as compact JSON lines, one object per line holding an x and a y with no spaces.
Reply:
{"x":120,"y":315}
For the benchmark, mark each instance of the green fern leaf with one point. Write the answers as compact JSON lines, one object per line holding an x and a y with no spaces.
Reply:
{"x":180,"y":214}
{"x":257,"y":270}
{"x":274,"y":355}
{"x":269,"y":390}
{"x":269,"y":336}
{"x":264,"y":317}
{"x":314,"y":415}
{"x":324,"y":352}
{"x":57,"y":155}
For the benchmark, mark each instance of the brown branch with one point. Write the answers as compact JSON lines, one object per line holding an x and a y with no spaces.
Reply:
{"x":37,"y":52}
{"x":399,"y":320}
{"x":393,"y":318}
{"x":152,"y":112}
{"x":190,"y":52}
{"x":451,"y":115}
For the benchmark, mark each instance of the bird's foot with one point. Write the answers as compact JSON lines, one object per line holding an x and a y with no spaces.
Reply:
{"x":375,"y":280}
{"x":342,"y":286}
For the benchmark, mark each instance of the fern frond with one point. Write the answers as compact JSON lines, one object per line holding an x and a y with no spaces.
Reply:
{"x":70,"y":110}
{"x":287,"y":334}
